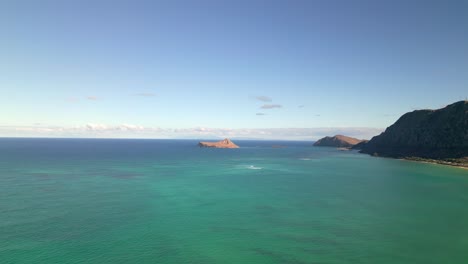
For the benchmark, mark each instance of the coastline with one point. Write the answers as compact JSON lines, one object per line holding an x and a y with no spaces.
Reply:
{"x":438,"y":162}
{"x":461,"y":165}
{"x":458,"y":163}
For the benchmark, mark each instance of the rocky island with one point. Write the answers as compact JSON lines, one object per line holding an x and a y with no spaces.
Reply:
{"x":338,"y":141}
{"x":439,"y":136}
{"x":225,"y":143}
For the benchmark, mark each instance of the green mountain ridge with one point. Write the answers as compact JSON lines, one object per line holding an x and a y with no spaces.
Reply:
{"x":440,"y":134}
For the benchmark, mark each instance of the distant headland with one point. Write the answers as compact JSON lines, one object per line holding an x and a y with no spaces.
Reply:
{"x":437,"y":136}
{"x":338,"y":141}
{"x":225,"y":143}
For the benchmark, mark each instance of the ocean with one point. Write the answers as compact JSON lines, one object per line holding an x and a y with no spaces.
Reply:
{"x":169,"y":201}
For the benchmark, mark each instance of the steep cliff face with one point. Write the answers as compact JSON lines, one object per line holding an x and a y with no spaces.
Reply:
{"x":432,"y":134}
{"x":360,"y":145}
{"x":225,"y":143}
{"x":338,"y":141}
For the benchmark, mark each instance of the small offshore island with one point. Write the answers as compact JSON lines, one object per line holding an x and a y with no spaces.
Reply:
{"x":436,"y":136}
{"x":225,"y":143}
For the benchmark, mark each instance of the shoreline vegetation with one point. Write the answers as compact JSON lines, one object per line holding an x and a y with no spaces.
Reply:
{"x":458,"y":163}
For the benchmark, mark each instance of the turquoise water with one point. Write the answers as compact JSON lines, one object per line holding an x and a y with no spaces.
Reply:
{"x":163,"y":201}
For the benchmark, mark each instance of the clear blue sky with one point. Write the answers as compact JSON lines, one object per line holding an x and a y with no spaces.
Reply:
{"x":214,"y":64}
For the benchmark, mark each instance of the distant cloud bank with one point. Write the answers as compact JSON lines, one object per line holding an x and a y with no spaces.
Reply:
{"x":92,"y":130}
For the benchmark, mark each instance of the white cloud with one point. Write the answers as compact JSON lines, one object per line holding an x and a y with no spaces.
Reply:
{"x":145,"y":94}
{"x":96,"y":127}
{"x":271,"y":106}
{"x":129,"y":127}
{"x":263,"y":98}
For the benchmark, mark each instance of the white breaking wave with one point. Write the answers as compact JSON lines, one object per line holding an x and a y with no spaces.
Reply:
{"x":252,"y":167}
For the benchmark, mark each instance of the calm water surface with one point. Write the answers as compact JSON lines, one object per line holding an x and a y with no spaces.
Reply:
{"x":168,"y":201}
